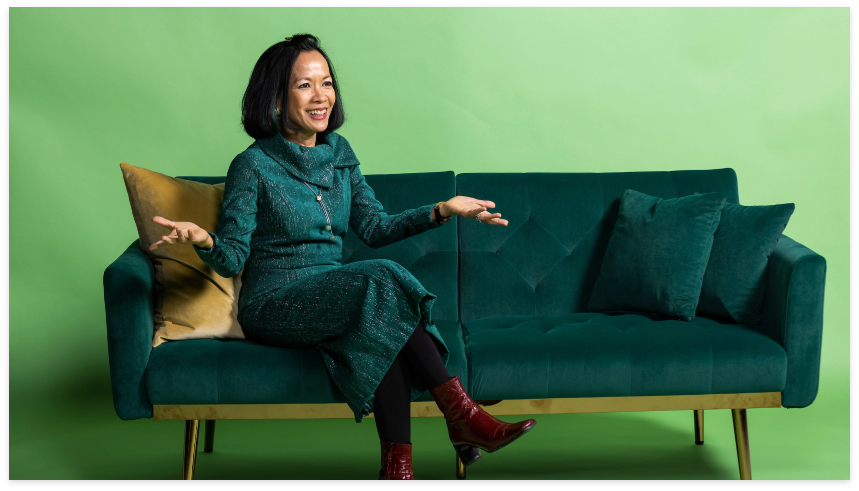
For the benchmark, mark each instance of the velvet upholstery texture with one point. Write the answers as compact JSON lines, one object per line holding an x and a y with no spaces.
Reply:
{"x":191,"y":300}
{"x":547,"y":259}
{"x":735,"y":280}
{"x":210,"y":371}
{"x":523,"y":300}
{"x":610,"y":355}
{"x":129,"y":304}
{"x":793,"y":316}
{"x":657,"y":254}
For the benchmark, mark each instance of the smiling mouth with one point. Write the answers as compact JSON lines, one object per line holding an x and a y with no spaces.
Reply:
{"x":318,"y":113}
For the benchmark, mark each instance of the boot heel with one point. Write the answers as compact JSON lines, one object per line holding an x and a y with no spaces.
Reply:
{"x":467,"y":454}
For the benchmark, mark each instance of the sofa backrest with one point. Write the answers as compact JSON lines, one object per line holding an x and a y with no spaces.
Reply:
{"x":547,"y":259}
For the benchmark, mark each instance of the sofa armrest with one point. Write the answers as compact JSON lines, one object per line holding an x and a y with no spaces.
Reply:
{"x":793,"y":315}
{"x":128,"y":305}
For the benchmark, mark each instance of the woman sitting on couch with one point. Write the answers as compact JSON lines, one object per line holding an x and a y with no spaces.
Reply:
{"x":288,"y":202}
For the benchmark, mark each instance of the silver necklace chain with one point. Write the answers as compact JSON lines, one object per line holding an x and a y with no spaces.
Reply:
{"x":324,"y":209}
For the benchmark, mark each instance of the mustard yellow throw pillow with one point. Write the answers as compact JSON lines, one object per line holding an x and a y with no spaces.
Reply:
{"x":191,"y":300}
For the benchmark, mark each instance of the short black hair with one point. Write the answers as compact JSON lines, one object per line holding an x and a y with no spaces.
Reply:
{"x":269,"y":80}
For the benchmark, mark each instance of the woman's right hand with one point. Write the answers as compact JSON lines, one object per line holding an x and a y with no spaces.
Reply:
{"x":182,"y":233}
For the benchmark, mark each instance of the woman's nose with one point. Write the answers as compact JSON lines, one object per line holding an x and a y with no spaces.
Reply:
{"x":319,"y":95}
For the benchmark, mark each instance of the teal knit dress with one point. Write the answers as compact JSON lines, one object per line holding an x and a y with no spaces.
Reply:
{"x":295,"y":292}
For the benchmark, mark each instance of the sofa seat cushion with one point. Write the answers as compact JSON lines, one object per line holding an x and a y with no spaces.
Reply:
{"x":618,"y":354}
{"x":213,"y":371}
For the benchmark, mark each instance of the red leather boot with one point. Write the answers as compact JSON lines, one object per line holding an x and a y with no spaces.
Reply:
{"x":469,"y":426}
{"x":396,"y":461}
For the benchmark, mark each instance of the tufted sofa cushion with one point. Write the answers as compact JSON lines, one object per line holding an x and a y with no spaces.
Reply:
{"x":549,"y":256}
{"x":212,"y":371}
{"x":605,"y":355}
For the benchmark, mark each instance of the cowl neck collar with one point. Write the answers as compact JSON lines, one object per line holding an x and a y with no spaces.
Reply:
{"x":314,"y":165}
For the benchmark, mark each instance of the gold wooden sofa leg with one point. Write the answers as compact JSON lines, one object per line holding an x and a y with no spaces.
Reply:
{"x":210,"y":436}
{"x":192,"y":428}
{"x":699,"y":426}
{"x":741,"y":434}
{"x":460,"y":468}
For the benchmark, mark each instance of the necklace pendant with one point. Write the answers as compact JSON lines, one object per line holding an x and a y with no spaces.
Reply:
{"x":331,"y":237}
{"x":318,"y":197}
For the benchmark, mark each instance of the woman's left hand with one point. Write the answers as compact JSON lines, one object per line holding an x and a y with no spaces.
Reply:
{"x":466,"y":207}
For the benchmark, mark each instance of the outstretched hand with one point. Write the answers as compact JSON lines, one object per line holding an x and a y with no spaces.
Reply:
{"x":466,"y":207}
{"x":182,"y":233}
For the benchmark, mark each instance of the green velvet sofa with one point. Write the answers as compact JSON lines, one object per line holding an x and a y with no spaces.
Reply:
{"x":512,"y":309}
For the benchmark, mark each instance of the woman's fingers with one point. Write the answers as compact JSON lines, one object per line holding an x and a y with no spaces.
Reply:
{"x":163,"y":221}
{"x":485,"y":217}
{"x":493,"y":219}
{"x":473,"y":212}
{"x":164,"y":240}
{"x":177,"y":236}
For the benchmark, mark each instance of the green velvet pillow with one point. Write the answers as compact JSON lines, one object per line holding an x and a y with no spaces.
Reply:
{"x":657,"y":254}
{"x":735,"y":279}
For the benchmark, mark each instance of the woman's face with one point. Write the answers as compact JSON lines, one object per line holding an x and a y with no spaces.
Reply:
{"x":310,"y":95}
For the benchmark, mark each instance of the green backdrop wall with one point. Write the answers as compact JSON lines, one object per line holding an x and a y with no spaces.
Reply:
{"x":762,"y":90}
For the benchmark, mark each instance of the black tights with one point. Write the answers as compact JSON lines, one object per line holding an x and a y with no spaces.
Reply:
{"x":391,"y":405}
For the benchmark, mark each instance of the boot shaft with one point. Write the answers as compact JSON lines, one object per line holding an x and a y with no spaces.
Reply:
{"x":396,"y":461}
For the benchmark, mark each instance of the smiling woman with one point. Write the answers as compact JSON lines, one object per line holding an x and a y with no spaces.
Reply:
{"x":299,"y":69}
{"x":289,"y":200}
{"x":310,"y":96}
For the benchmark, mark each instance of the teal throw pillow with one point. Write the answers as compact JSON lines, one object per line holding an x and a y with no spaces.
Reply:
{"x":657,"y":254}
{"x":735,"y":280}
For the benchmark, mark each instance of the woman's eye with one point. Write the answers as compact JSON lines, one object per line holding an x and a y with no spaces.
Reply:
{"x":327,"y":84}
{"x":304,"y":85}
